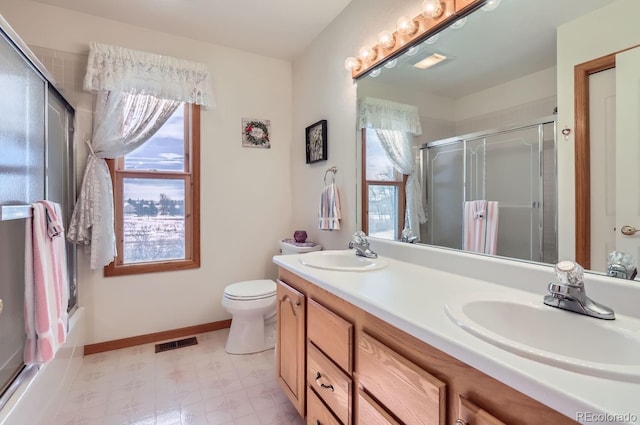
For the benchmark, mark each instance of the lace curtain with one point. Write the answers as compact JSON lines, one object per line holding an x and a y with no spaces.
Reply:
{"x":395,"y":124}
{"x":380,"y":114}
{"x":136,"y":93}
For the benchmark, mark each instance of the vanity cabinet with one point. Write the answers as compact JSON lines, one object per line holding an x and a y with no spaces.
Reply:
{"x":407,"y":391}
{"x":387,"y":377}
{"x":470,"y":414}
{"x":290,"y":345}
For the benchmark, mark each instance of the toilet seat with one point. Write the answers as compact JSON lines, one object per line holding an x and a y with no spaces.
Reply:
{"x":251,"y":290}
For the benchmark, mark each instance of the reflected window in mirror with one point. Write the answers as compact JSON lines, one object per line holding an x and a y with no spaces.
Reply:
{"x":383,"y":192}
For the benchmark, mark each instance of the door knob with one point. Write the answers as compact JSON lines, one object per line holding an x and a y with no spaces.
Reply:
{"x":629,"y":230}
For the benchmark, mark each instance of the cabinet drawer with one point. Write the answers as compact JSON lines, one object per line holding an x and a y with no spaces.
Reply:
{"x":471,"y":414}
{"x":408,"y":391}
{"x":317,"y":412}
{"x":331,"y":333}
{"x":330,"y":383}
{"x":370,"y":413}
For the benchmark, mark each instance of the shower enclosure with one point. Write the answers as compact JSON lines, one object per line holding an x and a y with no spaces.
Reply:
{"x":515,"y":166}
{"x":37,"y":162}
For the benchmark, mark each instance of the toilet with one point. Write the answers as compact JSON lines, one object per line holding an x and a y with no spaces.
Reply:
{"x":252,"y":305}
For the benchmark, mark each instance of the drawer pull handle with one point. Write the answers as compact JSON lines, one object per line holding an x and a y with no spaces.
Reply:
{"x":460,"y":422}
{"x":318,"y":377}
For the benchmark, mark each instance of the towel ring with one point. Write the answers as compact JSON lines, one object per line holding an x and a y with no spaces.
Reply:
{"x":332,"y":170}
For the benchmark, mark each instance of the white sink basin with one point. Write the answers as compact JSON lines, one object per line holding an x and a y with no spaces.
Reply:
{"x":341,"y":261}
{"x":527,"y":327}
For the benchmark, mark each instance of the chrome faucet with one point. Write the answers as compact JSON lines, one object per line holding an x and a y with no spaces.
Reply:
{"x":408,"y":236}
{"x":621,"y":265}
{"x":570,"y":293}
{"x":360,"y":243}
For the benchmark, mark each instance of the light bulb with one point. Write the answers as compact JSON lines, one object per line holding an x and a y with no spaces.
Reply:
{"x":491,"y":5}
{"x":459,"y":23}
{"x":412,"y":51}
{"x":406,"y":26}
{"x":375,"y":73}
{"x":432,"y":39}
{"x":352,"y":64}
{"x":386,"y":39}
{"x":368,"y":54}
{"x":391,"y":64}
{"x":432,"y":8}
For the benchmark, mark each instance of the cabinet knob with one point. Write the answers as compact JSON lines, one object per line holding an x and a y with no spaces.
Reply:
{"x":328,"y":387}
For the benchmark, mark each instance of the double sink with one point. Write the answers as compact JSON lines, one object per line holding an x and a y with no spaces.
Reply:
{"x":519,"y":322}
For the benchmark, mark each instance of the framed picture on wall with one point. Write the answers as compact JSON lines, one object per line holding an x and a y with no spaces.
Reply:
{"x":316,"y":140}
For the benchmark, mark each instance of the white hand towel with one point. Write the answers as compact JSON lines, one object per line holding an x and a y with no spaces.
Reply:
{"x":329,"y":215}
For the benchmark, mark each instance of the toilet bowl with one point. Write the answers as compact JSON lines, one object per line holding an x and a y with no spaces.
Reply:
{"x":252,"y":304}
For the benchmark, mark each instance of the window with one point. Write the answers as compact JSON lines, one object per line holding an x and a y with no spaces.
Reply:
{"x":157,"y":199}
{"x":383,"y":191}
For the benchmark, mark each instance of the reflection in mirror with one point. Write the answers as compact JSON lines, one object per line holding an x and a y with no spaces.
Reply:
{"x":494,"y":81}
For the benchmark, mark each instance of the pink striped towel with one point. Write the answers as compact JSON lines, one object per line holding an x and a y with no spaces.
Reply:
{"x":481,"y":226}
{"x":46,"y":285}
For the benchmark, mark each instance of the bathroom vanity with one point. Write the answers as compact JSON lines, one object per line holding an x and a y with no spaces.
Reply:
{"x":377,"y":347}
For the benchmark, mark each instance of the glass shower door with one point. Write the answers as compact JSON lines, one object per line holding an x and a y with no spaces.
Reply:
{"x":506,"y":167}
{"x":22,"y":181}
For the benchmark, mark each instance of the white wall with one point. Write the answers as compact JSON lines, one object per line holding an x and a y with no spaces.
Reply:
{"x":600,"y":33}
{"x":323,"y":89}
{"x":246,"y":192}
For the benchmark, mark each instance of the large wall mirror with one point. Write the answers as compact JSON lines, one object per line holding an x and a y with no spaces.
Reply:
{"x":489,"y":133}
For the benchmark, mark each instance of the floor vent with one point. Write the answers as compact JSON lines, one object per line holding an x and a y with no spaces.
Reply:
{"x":172,"y":345}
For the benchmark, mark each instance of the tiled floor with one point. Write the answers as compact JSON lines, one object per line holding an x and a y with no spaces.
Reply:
{"x":197,"y":385}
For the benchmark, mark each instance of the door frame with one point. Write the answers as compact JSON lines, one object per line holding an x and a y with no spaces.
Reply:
{"x":582,"y":152}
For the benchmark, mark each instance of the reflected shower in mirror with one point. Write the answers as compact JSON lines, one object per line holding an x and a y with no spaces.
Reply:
{"x":488,"y":131}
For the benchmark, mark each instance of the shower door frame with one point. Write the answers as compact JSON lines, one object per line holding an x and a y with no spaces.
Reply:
{"x":463,"y":139}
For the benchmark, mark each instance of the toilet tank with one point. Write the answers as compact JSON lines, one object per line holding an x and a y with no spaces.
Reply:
{"x":290,"y":246}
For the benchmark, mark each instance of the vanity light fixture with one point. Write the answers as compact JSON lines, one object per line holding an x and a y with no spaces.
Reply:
{"x":433,"y":8}
{"x":391,"y":64}
{"x":429,"y":61}
{"x":352,"y":64}
{"x":375,"y":73}
{"x":491,"y":5}
{"x":432,"y":39}
{"x":435,"y":15}
{"x":459,"y":23}
{"x":368,"y":54}
{"x":386,"y":39}
{"x":406,"y":26}
{"x":412,"y":50}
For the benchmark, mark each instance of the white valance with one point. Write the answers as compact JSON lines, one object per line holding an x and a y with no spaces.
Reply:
{"x":116,"y":69}
{"x":380,"y":114}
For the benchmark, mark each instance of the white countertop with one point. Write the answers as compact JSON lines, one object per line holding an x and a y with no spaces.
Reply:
{"x":412,"y":298}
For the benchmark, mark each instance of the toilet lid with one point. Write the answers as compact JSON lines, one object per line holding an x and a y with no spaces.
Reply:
{"x":251,"y":290}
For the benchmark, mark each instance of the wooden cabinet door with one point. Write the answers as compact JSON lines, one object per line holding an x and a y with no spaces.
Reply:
{"x":470,"y":414}
{"x":290,"y":348}
{"x":413,"y":395}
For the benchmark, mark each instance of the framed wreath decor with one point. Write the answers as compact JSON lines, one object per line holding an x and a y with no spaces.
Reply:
{"x":256,"y":133}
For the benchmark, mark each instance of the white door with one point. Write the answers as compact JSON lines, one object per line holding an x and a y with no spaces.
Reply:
{"x":628,"y":150}
{"x":602,"y":134}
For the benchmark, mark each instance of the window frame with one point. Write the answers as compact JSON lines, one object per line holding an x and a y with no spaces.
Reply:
{"x":400,"y":184}
{"x":191,"y":175}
